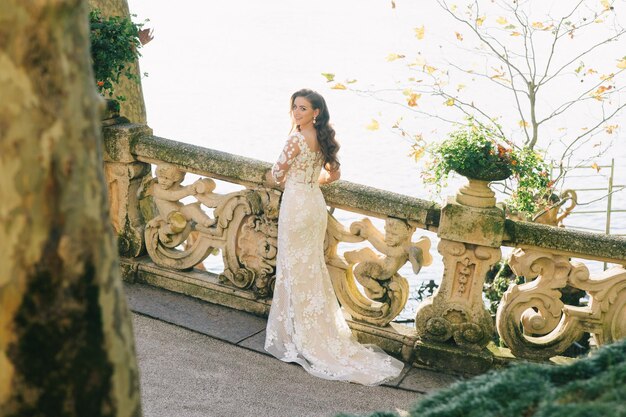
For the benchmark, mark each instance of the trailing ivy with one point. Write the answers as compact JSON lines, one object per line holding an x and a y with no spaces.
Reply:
{"x":589,"y":387}
{"x":114,"y":47}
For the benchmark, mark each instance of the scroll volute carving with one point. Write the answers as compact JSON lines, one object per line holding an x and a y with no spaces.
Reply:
{"x":535,"y":323}
{"x":250,"y":222}
{"x":243,"y":227}
{"x":386,"y":291}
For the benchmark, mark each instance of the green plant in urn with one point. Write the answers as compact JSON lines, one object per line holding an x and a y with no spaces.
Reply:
{"x":475,"y":152}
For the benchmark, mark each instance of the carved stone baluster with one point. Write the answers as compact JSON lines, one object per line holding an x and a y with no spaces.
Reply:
{"x":124,"y":175}
{"x":536,"y":324}
{"x":386,"y":291}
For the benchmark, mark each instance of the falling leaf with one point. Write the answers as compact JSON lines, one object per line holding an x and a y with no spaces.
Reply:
{"x":621,"y":64}
{"x":458,"y":36}
{"x":502,"y":20}
{"x":373,"y":125}
{"x":610,"y":129}
{"x":523,"y":123}
{"x":449,"y":102}
{"x":580,"y":67}
{"x":417,"y":152}
{"x":412,"y":99}
{"x":339,"y":86}
{"x":329,"y":76}
{"x":537,"y":25}
{"x":516,"y":34}
{"x":393,"y":57}
{"x":419,"y":32}
{"x":595,"y":166}
{"x":480,"y":21}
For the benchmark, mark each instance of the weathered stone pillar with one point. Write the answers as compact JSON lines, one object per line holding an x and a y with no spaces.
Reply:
{"x":471,"y":236}
{"x":66,"y":340}
{"x":124,"y":176}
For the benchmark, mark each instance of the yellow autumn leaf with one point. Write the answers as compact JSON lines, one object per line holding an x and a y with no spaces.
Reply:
{"x":480,"y":21}
{"x":417,"y":152}
{"x":523,"y":123}
{"x":606,"y":4}
{"x":621,"y":64}
{"x":329,"y":76}
{"x":449,"y":102}
{"x":607,"y":77}
{"x":610,"y":129}
{"x":591,"y":71}
{"x":599,"y":21}
{"x":393,"y":57}
{"x":419,"y":32}
{"x":412,"y":99}
{"x":595,"y":166}
{"x":516,"y":33}
{"x":430,"y":69}
{"x":502,"y":20}
{"x":459,"y":87}
{"x":339,"y":86}
{"x":537,"y":25}
{"x":351,"y":81}
{"x":373,"y":125}
{"x":458,"y":36}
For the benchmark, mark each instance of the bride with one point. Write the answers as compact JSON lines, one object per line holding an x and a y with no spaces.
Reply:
{"x":306,"y":324}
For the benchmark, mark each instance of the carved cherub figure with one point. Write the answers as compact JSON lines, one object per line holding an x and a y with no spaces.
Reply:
{"x":396,"y":248}
{"x":168,"y":190}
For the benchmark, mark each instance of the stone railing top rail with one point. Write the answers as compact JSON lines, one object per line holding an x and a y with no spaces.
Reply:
{"x":128,"y":142}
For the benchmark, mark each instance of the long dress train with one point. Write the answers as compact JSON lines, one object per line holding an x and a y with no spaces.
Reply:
{"x":306,"y":324}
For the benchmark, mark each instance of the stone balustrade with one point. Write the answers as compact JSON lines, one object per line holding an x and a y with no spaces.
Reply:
{"x":166,"y":227}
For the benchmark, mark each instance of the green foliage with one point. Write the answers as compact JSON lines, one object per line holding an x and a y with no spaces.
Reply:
{"x":114,"y":46}
{"x":475,"y":151}
{"x":497,"y":281}
{"x":589,"y":387}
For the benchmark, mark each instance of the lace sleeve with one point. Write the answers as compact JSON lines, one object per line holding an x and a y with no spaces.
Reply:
{"x":286,"y":158}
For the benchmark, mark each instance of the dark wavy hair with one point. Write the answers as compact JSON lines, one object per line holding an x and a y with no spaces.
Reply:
{"x":325,"y":133}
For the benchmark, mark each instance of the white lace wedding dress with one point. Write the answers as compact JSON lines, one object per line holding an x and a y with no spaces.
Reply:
{"x":306,"y":324}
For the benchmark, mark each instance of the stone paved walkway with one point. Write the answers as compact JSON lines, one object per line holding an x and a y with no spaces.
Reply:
{"x":201,"y":359}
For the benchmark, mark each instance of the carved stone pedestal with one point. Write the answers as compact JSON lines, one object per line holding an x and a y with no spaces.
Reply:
{"x":471,"y":236}
{"x":456,"y":310}
{"x":124,"y":175}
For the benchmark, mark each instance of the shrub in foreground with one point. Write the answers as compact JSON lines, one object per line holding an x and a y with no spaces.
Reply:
{"x":589,"y":387}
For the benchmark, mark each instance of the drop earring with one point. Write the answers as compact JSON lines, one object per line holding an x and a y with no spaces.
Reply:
{"x":314,"y":119}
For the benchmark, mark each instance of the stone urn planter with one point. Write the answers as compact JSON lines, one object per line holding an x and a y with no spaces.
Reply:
{"x":476,"y":193}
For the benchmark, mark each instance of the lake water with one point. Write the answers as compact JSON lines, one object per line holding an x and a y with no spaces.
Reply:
{"x":221,"y":74}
